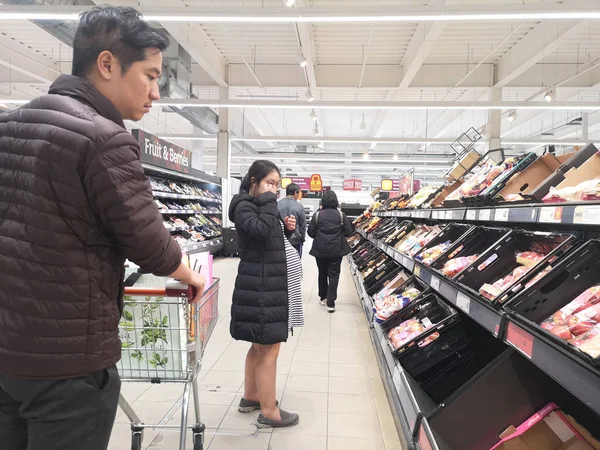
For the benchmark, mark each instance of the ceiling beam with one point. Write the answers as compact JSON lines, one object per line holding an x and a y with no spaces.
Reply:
{"x":539,"y":43}
{"x":22,"y":59}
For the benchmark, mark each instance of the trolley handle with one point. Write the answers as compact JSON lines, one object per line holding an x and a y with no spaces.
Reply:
{"x":173,"y":288}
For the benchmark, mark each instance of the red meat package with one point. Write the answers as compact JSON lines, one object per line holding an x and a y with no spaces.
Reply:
{"x":405,"y":332}
{"x":577,"y":318}
{"x":529,"y":259}
{"x":457,"y":265}
{"x":491,"y":291}
{"x":589,"y":342}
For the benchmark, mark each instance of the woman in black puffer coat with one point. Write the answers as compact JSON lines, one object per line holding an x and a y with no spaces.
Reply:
{"x":260,"y":309}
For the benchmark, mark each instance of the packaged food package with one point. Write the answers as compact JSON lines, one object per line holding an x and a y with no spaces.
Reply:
{"x":420,"y":197}
{"x":491,"y":291}
{"x":529,"y":259}
{"x":431,"y":254}
{"x":585,"y":191}
{"x":576,"y":318}
{"x":454,"y":266}
{"x":405,"y":332}
{"x":395,"y":303}
{"x":589,"y":342}
{"x":538,"y":277}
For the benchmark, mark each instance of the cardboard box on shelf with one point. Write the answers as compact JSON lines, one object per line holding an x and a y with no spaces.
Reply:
{"x":587,"y":171}
{"x":439,"y":199}
{"x":577,"y":159}
{"x":595,"y":443}
{"x":532,"y":177}
{"x":462,"y":166}
{"x":548,"y":429}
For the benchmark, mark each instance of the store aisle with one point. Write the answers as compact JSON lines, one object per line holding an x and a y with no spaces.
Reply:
{"x":327,"y":373}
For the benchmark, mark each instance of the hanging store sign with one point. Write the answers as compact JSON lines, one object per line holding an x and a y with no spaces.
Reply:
{"x":389,"y":185}
{"x":158,"y":152}
{"x":313,"y":183}
{"x":352,"y":185}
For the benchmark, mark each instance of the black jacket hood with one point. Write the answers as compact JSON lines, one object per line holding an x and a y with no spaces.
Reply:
{"x":242,"y":196}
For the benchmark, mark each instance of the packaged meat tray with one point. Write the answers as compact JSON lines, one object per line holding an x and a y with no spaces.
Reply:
{"x":431,"y":254}
{"x":454,"y":266}
{"x":394,"y":303}
{"x":492,"y":291}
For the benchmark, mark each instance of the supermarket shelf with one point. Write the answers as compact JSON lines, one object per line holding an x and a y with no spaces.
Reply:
{"x":581,"y":379}
{"x":582,"y":214}
{"x":184,"y":228}
{"x":187,"y":211}
{"x":185,"y":197}
{"x":213,"y":245}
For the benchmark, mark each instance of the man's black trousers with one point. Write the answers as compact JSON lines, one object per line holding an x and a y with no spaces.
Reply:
{"x":72,"y":414}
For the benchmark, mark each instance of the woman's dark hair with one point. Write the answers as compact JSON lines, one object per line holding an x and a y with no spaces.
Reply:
{"x":329,"y":200}
{"x":120,"y":30}
{"x":258,"y":170}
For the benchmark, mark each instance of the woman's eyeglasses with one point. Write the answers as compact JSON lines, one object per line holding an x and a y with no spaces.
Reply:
{"x":273,"y":184}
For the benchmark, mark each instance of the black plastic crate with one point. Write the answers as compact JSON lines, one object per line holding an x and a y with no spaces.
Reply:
{"x":498,"y":184}
{"x":412,"y":282}
{"x":500,"y":260}
{"x":452,"y":232}
{"x":576,"y":273}
{"x":474,"y":243}
{"x":379,"y":282}
{"x":429,"y":306}
{"x":405,"y":227}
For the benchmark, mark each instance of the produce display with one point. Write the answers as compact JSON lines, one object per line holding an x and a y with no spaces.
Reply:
{"x":579,"y":322}
{"x":586,"y":191}
{"x":491,"y":291}
{"x":176,"y":187}
{"x":391,"y":304}
{"x":454,"y":266}
{"x":431,"y":254}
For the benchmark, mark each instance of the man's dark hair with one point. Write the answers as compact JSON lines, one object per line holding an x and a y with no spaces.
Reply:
{"x":292,"y":189}
{"x":120,"y":30}
{"x":257,"y":171}
{"x":329,"y":200}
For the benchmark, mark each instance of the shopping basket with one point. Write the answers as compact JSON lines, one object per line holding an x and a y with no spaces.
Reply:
{"x":163,"y":339}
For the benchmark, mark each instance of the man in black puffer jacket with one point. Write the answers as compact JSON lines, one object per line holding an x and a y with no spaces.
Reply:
{"x":74,"y":203}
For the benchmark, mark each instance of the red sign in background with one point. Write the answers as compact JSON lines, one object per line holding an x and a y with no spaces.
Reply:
{"x":352,"y":185}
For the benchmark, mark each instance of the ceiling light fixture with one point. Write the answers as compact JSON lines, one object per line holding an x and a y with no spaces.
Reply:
{"x":309,"y":96}
{"x":289,"y":3}
{"x":301,"y":59}
{"x":365,"y":156}
{"x":550,"y":95}
{"x":322,"y":15}
{"x":395,"y":157}
{"x":512,"y":116}
{"x":313,"y":115}
{"x":363,"y":124}
{"x":316,"y":131}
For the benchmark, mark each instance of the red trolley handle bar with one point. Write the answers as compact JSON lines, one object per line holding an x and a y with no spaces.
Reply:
{"x":173,"y":288}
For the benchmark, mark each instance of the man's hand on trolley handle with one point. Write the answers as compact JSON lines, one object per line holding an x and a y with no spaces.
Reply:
{"x":187,"y":276}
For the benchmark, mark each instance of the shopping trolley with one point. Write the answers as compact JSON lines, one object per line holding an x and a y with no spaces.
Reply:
{"x":163,"y":339}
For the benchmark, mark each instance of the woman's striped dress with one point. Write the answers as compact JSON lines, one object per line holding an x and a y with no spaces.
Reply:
{"x":294,"y":279}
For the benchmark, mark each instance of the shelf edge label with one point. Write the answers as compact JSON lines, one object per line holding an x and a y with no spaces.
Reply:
{"x":520,"y":339}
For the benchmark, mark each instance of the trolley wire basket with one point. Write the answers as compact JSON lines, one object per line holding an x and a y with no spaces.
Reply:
{"x":163,"y":339}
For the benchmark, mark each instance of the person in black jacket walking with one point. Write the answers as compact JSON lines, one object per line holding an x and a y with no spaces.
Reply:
{"x":260,"y":312}
{"x":329,"y":228}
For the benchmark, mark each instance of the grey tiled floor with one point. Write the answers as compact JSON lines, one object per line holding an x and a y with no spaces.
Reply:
{"x":327,"y":372}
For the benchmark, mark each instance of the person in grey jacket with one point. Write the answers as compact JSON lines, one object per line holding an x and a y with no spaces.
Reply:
{"x":290,"y":206}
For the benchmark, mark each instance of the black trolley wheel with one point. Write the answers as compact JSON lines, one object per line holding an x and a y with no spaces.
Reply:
{"x":136,"y":441}
{"x":198,"y":431}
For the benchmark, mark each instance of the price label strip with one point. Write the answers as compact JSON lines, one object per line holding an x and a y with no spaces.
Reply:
{"x":520,"y":339}
{"x":471,"y":214}
{"x":501,"y":215}
{"x":463,"y":302}
{"x":435,"y":283}
{"x":587,"y":215}
{"x":551,"y":214}
{"x":485,"y":214}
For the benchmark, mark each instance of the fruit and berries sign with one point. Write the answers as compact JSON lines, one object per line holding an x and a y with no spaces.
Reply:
{"x":161,"y":153}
